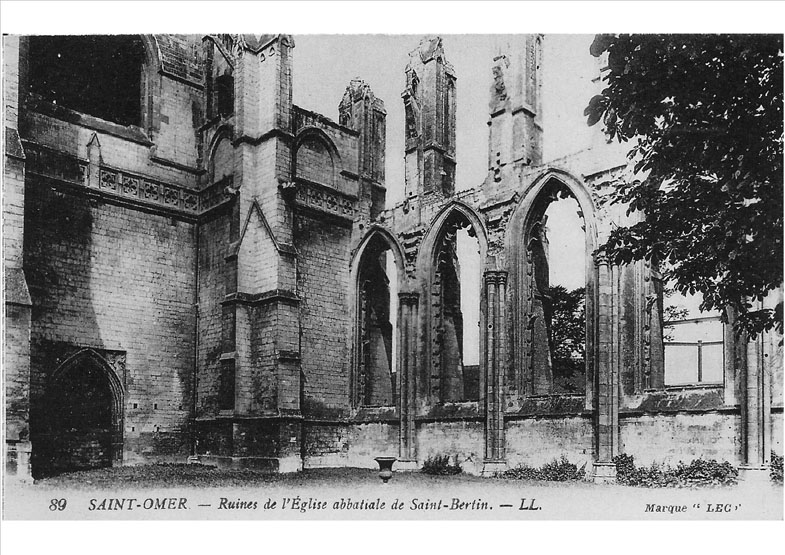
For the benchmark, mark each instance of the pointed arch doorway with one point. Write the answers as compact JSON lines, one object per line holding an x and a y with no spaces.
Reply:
{"x":82,"y":416}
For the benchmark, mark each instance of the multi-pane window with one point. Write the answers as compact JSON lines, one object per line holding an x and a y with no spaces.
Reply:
{"x":694,"y":343}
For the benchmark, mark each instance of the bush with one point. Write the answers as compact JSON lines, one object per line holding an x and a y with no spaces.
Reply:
{"x":776,"y":468}
{"x":699,"y":472}
{"x":440,"y":466}
{"x":560,"y":470}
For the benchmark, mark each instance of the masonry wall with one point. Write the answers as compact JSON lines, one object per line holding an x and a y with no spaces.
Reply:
{"x":776,"y":432}
{"x":670,"y":438}
{"x":354,"y":444}
{"x":464,"y":440}
{"x":181,"y":114}
{"x":213,"y":244}
{"x":115,"y":279}
{"x":536,"y":441}
{"x":323,"y":274}
{"x":120,"y":147}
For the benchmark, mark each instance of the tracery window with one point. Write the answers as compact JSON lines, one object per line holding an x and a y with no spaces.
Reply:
{"x":455,"y":316}
{"x":553,"y":289}
{"x":376,"y":329}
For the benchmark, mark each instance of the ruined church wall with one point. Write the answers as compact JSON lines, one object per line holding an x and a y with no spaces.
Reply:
{"x":535,"y":441}
{"x":356,"y":444}
{"x":323,"y":283}
{"x":670,"y":438}
{"x":213,"y":242}
{"x":462,"y":439}
{"x":121,"y":282}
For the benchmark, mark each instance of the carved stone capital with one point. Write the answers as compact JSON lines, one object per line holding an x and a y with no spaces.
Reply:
{"x":410,"y":298}
{"x":496,"y":276}
{"x":602,"y":259}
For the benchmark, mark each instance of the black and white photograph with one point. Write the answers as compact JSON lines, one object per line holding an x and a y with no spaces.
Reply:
{"x":406,"y":275}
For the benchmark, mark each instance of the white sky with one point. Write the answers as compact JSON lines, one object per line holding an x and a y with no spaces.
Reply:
{"x":324,"y":64}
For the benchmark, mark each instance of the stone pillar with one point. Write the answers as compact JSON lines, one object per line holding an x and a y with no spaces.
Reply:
{"x":515,"y":107}
{"x":429,"y":104}
{"x":495,"y":357}
{"x":408,"y":307}
{"x":16,"y":355}
{"x":755,"y":414}
{"x":261,"y":375}
{"x":362,"y":111}
{"x":607,"y":392}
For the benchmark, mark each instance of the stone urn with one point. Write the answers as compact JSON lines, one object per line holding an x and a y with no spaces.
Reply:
{"x":385,"y":467}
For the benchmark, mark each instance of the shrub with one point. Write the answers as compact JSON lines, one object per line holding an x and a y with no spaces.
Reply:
{"x":560,"y":470}
{"x":440,"y":466}
{"x":776,"y":468}
{"x":522,"y":472}
{"x":699,"y":472}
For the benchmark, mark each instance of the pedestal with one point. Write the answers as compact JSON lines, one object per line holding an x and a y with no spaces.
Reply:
{"x":604,"y":473}
{"x":754,"y":475}
{"x":491,"y":468}
{"x":406,"y":465}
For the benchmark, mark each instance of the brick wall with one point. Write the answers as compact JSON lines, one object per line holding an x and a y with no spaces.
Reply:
{"x":109,"y":277}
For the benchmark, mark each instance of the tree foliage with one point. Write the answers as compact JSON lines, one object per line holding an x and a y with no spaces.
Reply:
{"x":704,"y":118}
{"x":568,"y":338}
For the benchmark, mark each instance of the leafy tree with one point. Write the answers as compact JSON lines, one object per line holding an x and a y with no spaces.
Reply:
{"x":568,"y":338}
{"x":704,"y":117}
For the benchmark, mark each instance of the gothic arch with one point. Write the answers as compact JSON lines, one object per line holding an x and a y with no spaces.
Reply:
{"x":89,"y":356}
{"x":364,"y":378}
{"x":84,"y":402}
{"x":532,"y":206}
{"x":437,"y":382}
{"x":392,"y":242}
{"x":321,"y":138}
{"x":223,"y":133}
{"x":453,"y":209}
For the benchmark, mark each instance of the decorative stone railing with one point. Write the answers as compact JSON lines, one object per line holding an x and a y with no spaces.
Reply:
{"x":120,"y":184}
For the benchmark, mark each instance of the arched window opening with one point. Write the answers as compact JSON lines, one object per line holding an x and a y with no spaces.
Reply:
{"x":377,"y":372}
{"x":223,"y":102}
{"x":456,"y":315}
{"x":555,"y":293}
{"x":97,"y":75}
{"x":222,"y":162}
{"x":314,"y":161}
{"x":79,"y":422}
{"x":693,"y":340}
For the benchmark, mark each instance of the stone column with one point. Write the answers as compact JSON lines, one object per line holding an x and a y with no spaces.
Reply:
{"x":607,"y":392}
{"x":18,"y":305}
{"x":408,"y":307}
{"x":755,"y":414}
{"x":495,"y":357}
